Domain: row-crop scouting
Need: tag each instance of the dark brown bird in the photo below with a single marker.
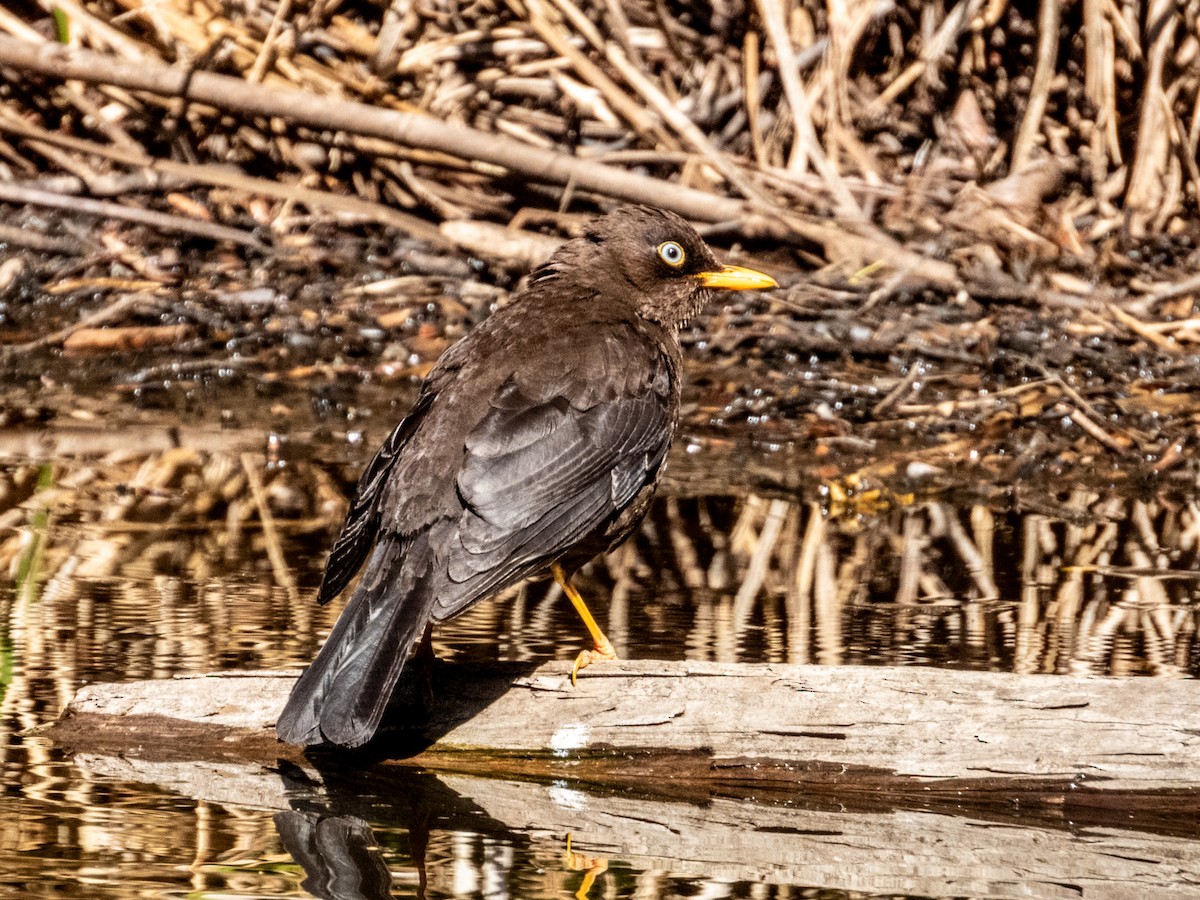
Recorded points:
(536, 442)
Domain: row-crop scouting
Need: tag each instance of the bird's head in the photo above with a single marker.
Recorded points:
(654, 258)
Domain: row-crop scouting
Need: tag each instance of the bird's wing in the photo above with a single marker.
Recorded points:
(362, 519)
(540, 475)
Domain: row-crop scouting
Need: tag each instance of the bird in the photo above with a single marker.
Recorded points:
(536, 443)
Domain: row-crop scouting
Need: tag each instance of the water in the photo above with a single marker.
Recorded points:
(144, 565)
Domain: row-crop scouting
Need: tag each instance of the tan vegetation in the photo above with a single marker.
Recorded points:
(963, 133)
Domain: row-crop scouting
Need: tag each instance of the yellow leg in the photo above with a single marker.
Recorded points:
(603, 648)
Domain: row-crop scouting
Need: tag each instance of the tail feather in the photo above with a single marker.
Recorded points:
(342, 696)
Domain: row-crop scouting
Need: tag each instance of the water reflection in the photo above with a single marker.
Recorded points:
(340, 856)
(148, 565)
(386, 831)
(173, 563)
(68, 832)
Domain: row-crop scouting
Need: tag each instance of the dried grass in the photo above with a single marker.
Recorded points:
(791, 112)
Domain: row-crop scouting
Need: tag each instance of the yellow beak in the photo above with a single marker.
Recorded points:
(737, 278)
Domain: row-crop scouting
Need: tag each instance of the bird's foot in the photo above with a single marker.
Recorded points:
(603, 650)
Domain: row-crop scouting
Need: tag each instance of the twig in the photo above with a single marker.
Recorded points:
(916, 369)
(119, 184)
(13, 193)
(682, 124)
(1144, 196)
(949, 407)
(78, 15)
(1083, 410)
(1100, 87)
(956, 20)
(1178, 289)
(335, 113)
(111, 312)
(1087, 425)
(223, 176)
(24, 237)
(1049, 15)
(268, 43)
(624, 105)
(753, 100)
(1141, 330)
(806, 145)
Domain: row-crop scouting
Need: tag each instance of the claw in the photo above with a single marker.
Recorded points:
(603, 650)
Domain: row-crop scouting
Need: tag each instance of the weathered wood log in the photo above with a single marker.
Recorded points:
(869, 779)
(749, 725)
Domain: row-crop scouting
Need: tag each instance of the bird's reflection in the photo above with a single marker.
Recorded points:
(339, 855)
(329, 830)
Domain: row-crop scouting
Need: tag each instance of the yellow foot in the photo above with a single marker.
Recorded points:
(603, 650)
(591, 866)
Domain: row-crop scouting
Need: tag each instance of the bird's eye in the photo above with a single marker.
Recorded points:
(672, 254)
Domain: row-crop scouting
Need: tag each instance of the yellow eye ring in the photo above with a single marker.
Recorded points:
(672, 254)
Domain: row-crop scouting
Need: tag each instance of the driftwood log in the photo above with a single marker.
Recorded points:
(908, 780)
(756, 724)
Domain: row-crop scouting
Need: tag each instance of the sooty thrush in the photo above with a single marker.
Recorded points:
(536, 443)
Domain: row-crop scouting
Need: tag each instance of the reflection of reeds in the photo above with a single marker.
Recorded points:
(180, 512)
(145, 534)
(128, 836)
(1109, 587)
(161, 563)
(184, 561)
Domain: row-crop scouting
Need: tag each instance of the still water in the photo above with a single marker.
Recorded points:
(143, 564)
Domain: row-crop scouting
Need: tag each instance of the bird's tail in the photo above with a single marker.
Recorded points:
(342, 696)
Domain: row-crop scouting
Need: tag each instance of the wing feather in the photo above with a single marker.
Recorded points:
(362, 519)
(541, 476)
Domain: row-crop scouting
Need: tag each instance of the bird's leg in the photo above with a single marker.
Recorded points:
(603, 647)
